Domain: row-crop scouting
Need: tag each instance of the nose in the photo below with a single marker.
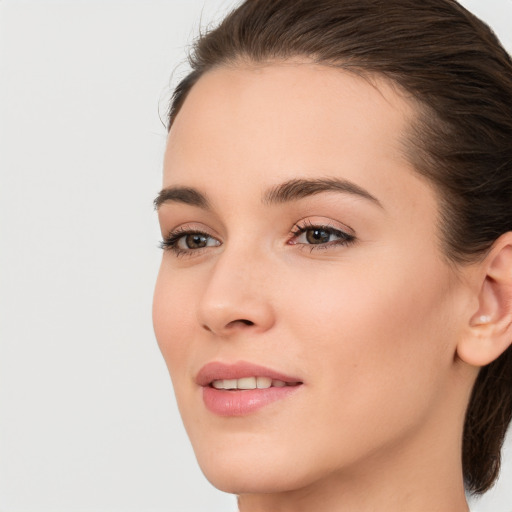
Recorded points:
(237, 296)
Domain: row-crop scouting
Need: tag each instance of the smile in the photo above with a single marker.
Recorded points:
(243, 388)
(251, 383)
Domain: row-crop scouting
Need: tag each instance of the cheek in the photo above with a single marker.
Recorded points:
(172, 306)
(374, 342)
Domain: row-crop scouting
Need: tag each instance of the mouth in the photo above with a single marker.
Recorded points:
(246, 383)
(243, 388)
(243, 375)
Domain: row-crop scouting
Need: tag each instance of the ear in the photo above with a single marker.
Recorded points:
(489, 330)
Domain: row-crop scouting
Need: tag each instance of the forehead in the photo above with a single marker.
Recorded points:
(269, 122)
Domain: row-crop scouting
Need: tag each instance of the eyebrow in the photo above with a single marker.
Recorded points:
(295, 189)
(184, 195)
(288, 191)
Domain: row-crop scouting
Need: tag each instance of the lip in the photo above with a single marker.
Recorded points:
(242, 402)
(218, 371)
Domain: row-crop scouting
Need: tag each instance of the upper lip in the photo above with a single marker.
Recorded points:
(221, 371)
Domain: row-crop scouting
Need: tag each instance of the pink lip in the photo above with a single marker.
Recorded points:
(241, 402)
(218, 371)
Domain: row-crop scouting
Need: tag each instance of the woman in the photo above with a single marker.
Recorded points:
(334, 302)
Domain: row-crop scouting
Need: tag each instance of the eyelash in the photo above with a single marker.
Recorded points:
(344, 238)
(170, 243)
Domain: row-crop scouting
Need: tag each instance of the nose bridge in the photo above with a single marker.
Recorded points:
(237, 295)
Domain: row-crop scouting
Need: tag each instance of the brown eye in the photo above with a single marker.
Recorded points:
(187, 242)
(193, 241)
(321, 237)
(318, 236)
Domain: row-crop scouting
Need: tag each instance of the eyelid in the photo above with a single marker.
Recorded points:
(192, 227)
(346, 235)
(322, 222)
(170, 241)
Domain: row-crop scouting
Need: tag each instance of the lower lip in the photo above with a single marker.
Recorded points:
(243, 402)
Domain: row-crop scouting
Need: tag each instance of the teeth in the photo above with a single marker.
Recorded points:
(230, 384)
(263, 382)
(248, 383)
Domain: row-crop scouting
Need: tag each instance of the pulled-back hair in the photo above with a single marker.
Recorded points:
(460, 79)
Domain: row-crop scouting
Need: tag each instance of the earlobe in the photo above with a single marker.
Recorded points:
(489, 330)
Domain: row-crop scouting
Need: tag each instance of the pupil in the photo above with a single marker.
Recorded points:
(317, 236)
(195, 241)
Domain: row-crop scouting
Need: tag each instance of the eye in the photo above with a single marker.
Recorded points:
(320, 236)
(184, 241)
(193, 241)
(316, 236)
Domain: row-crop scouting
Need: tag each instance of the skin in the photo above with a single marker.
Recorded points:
(370, 327)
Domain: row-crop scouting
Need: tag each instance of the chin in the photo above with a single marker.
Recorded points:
(253, 479)
(254, 468)
(244, 463)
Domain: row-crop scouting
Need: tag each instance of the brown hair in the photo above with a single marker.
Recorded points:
(461, 80)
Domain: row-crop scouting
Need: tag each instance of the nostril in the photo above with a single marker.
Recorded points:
(242, 321)
(230, 324)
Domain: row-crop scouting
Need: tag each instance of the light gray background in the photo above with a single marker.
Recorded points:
(87, 417)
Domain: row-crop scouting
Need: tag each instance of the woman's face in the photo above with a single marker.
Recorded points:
(301, 248)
